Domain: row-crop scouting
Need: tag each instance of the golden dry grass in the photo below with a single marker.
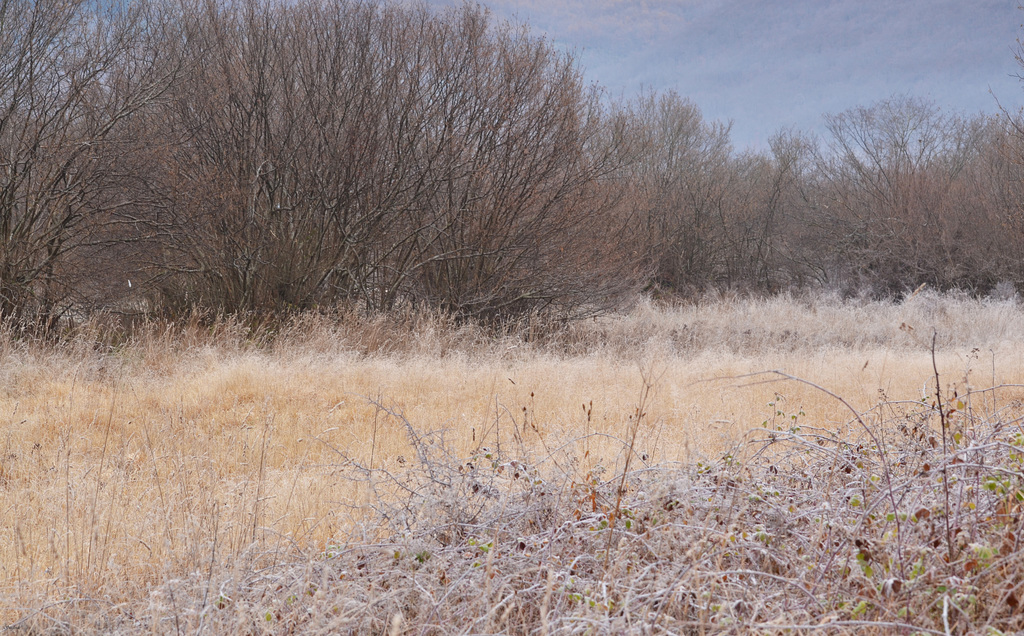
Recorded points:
(203, 458)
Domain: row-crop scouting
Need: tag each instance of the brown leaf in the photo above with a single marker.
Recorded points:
(1012, 601)
(891, 586)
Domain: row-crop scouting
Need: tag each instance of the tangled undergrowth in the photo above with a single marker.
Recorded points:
(907, 520)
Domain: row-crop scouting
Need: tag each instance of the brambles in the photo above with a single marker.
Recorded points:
(788, 529)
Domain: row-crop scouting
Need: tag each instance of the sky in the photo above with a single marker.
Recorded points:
(766, 65)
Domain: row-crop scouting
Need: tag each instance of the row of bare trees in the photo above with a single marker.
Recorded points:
(259, 155)
(897, 194)
(251, 155)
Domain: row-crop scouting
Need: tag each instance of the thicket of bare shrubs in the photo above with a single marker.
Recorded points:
(254, 155)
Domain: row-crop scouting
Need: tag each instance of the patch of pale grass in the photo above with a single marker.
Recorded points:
(202, 459)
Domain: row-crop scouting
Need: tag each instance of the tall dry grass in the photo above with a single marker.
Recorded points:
(410, 474)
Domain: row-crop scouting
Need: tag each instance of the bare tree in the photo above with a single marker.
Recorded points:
(71, 78)
(516, 224)
(891, 172)
(342, 151)
(684, 178)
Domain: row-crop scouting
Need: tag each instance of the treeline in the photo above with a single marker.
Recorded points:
(270, 156)
(897, 194)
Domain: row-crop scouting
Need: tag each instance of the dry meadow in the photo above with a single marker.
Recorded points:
(729, 466)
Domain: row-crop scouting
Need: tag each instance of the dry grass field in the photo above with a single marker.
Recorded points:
(639, 473)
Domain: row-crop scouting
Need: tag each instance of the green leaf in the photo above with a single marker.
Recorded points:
(860, 610)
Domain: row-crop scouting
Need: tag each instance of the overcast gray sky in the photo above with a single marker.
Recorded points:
(769, 64)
